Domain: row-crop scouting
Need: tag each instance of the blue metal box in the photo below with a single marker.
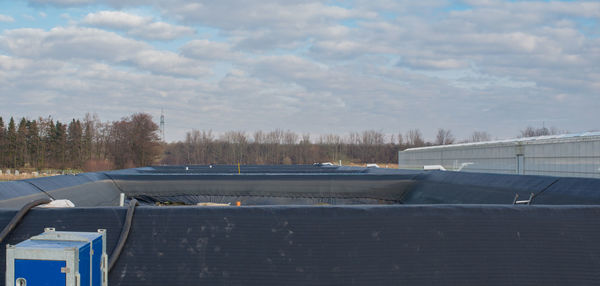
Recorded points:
(58, 258)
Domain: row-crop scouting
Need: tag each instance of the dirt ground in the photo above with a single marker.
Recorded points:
(27, 175)
(22, 176)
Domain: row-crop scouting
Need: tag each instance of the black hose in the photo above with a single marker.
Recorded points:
(19, 216)
(124, 234)
(38, 187)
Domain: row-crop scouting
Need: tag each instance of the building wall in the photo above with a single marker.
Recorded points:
(573, 159)
(577, 156)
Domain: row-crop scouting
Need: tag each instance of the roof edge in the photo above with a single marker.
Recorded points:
(538, 139)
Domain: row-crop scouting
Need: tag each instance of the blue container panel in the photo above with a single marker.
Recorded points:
(96, 262)
(84, 265)
(41, 272)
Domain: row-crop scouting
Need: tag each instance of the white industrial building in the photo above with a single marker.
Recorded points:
(569, 155)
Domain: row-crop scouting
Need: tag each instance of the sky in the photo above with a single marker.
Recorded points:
(314, 67)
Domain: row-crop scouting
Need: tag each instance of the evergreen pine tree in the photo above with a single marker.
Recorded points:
(60, 141)
(74, 143)
(33, 143)
(11, 137)
(2, 143)
(21, 142)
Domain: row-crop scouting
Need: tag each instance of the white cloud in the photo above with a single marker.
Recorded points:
(138, 26)
(209, 50)
(170, 63)
(264, 25)
(115, 20)
(311, 66)
(442, 64)
(6, 18)
(68, 43)
(291, 14)
(64, 2)
(89, 44)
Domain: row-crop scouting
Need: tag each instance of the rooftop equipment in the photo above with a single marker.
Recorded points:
(58, 258)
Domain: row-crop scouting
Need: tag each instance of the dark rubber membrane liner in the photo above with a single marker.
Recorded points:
(333, 245)
(323, 225)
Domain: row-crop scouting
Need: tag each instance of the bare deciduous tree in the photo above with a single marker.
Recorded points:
(414, 138)
(543, 131)
(134, 141)
(400, 139)
(480, 136)
(444, 137)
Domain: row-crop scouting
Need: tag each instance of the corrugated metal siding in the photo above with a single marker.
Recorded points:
(568, 157)
(571, 159)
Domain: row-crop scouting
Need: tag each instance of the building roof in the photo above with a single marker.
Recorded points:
(527, 140)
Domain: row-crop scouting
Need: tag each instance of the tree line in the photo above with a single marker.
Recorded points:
(279, 147)
(287, 147)
(89, 144)
(86, 144)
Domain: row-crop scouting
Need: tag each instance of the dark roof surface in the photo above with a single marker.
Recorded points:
(298, 184)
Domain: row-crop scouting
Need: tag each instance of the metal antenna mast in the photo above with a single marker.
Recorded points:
(162, 124)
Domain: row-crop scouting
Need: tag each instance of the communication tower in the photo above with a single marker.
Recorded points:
(162, 125)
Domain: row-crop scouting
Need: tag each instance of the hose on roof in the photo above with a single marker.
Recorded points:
(123, 236)
(19, 216)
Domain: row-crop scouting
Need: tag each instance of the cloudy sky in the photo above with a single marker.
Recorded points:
(309, 66)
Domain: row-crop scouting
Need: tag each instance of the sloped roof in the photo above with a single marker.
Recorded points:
(526, 140)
